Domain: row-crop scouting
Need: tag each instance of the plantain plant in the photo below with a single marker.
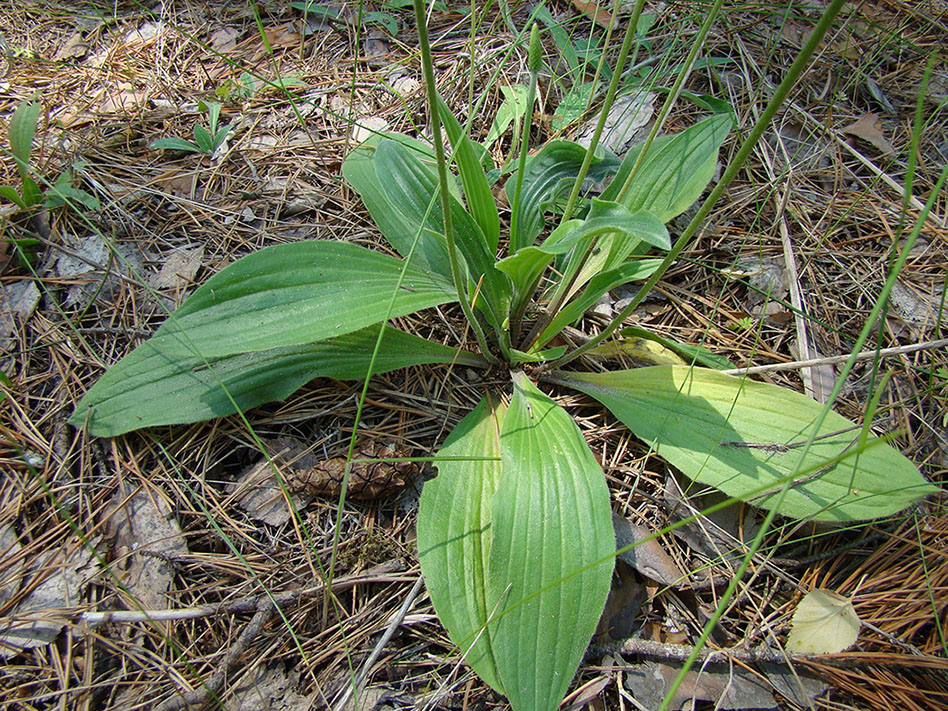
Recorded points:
(514, 534)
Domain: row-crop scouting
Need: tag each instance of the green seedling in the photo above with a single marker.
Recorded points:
(21, 131)
(206, 140)
(515, 535)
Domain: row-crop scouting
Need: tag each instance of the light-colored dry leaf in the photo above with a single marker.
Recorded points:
(18, 301)
(146, 539)
(39, 617)
(767, 277)
(147, 32)
(122, 98)
(89, 263)
(406, 85)
(919, 311)
(823, 623)
(224, 39)
(75, 47)
(625, 125)
(869, 129)
(12, 564)
(179, 269)
(366, 127)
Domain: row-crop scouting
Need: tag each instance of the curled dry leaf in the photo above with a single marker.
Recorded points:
(824, 623)
(868, 129)
(648, 557)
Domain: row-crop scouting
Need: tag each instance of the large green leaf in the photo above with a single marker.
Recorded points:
(548, 175)
(454, 533)
(152, 386)
(291, 294)
(746, 438)
(675, 171)
(550, 559)
(359, 169)
(634, 342)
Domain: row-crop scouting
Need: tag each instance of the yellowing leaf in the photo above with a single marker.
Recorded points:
(824, 623)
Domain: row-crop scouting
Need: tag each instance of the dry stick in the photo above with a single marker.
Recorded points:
(382, 573)
(812, 386)
(829, 360)
(393, 624)
(663, 650)
(200, 695)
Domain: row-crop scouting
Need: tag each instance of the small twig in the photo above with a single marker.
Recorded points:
(651, 648)
(383, 573)
(864, 355)
(662, 650)
(393, 624)
(200, 695)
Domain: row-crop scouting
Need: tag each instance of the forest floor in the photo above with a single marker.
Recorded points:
(170, 519)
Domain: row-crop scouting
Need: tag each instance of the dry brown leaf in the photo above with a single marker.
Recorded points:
(727, 686)
(592, 10)
(63, 575)
(268, 687)
(122, 98)
(868, 129)
(718, 535)
(146, 539)
(626, 596)
(75, 47)
(223, 40)
(179, 269)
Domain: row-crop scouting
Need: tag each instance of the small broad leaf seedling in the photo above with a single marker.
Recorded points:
(206, 140)
(514, 534)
